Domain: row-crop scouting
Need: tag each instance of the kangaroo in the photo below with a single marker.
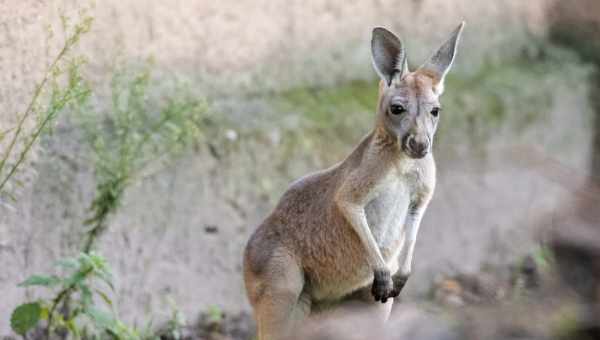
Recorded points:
(347, 234)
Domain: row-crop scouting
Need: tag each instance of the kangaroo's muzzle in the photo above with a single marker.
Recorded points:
(415, 146)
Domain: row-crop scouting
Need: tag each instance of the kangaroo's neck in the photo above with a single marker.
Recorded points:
(383, 141)
(385, 150)
(378, 149)
(384, 146)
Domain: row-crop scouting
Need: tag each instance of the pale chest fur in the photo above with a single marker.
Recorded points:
(391, 203)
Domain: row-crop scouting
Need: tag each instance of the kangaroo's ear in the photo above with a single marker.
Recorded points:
(389, 58)
(440, 62)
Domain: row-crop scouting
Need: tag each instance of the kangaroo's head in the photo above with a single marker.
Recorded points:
(409, 107)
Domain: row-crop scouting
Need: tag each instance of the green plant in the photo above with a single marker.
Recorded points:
(143, 126)
(175, 324)
(85, 282)
(215, 315)
(137, 131)
(125, 141)
(60, 86)
(543, 257)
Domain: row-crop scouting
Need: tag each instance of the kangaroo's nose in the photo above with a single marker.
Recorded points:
(417, 146)
(412, 143)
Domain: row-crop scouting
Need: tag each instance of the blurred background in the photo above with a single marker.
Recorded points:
(149, 138)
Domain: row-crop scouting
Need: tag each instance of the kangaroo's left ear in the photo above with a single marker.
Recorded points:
(440, 62)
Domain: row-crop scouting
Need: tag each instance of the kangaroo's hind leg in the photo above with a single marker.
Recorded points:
(277, 298)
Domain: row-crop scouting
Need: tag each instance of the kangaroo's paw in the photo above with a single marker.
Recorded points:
(399, 282)
(382, 285)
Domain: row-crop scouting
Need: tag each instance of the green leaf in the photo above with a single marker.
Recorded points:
(25, 317)
(100, 318)
(106, 277)
(72, 327)
(41, 280)
(68, 263)
(98, 261)
(44, 313)
(86, 295)
(85, 261)
(215, 314)
(77, 278)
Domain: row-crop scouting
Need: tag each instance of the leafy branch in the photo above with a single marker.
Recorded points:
(73, 91)
(136, 131)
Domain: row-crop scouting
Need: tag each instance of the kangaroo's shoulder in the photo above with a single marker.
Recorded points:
(309, 190)
(319, 182)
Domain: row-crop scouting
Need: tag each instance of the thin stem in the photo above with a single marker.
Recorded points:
(34, 137)
(93, 234)
(58, 299)
(29, 109)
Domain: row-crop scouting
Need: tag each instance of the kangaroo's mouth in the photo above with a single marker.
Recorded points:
(415, 154)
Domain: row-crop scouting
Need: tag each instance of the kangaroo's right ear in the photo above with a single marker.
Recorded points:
(389, 58)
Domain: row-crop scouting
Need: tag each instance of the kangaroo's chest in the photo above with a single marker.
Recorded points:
(387, 211)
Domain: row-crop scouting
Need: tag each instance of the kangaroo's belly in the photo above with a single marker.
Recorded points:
(351, 274)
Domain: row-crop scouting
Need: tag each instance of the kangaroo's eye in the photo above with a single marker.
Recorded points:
(435, 111)
(397, 109)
